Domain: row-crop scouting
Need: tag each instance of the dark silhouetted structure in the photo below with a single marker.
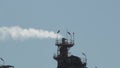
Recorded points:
(5, 66)
(63, 57)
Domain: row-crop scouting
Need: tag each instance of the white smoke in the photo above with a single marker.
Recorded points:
(17, 32)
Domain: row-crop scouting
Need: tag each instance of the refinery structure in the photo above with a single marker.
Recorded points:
(63, 57)
(4, 65)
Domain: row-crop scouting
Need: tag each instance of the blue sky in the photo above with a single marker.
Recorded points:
(96, 24)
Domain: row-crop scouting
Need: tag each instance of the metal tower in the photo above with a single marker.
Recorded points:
(63, 57)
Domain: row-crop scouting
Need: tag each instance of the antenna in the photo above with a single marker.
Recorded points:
(3, 61)
(57, 35)
(66, 34)
(70, 36)
(73, 37)
(85, 57)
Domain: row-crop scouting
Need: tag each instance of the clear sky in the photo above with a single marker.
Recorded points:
(96, 24)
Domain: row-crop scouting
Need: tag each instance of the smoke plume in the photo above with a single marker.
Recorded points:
(17, 32)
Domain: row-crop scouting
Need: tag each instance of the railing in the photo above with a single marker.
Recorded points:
(68, 42)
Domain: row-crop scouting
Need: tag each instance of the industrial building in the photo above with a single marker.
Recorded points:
(63, 58)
